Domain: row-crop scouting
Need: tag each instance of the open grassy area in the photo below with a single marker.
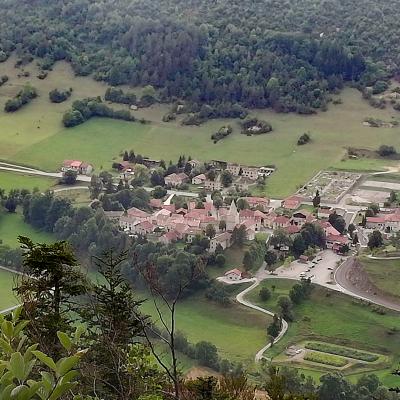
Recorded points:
(326, 359)
(385, 274)
(34, 135)
(7, 298)
(12, 225)
(11, 180)
(78, 197)
(238, 332)
(335, 318)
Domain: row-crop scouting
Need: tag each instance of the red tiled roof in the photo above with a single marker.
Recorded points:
(234, 271)
(281, 219)
(135, 212)
(156, 203)
(292, 229)
(337, 238)
(376, 220)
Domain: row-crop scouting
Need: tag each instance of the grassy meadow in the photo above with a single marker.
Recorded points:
(12, 225)
(237, 331)
(7, 298)
(335, 318)
(34, 135)
(385, 274)
(11, 180)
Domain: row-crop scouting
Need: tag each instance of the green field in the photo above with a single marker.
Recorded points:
(7, 298)
(238, 332)
(78, 197)
(12, 225)
(385, 274)
(326, 359)
(11, 180)
(35, 135)
(335, 318)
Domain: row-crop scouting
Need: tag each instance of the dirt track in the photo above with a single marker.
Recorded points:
(352, 277)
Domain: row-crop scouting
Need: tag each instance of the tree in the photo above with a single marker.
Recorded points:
(355, 239)
(386, 151)
(264, 294)
(159, 192)
(141, 175)
(242, 204)
(351, 228)
(69, 177)
(299, 245)
(207, 354)
(280, 238)
(11, 204)
(316, 200)
(304, 139)
(50, 282)
(375, 240)
(239, 235)
(226, 178)
(95, 187)
(286, 306)
(157, 178)
(337, 221)
(220, 260)
(270, 258)
(210, 231)
(222, 225)
(111, 313)
(275, 327)
(392, 197)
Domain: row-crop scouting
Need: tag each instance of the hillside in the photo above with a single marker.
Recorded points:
(289, 55)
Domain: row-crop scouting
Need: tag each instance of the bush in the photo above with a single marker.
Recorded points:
(264, 294)
(58, 96)
(341, 351)
(23, 97)
(82, 110)
(118, 96)
(303, 139)
(385, 150)
(253, 126)
(221, 133)
(327, 359)
(3, 80)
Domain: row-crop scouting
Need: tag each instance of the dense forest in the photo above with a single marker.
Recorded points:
(289, 55)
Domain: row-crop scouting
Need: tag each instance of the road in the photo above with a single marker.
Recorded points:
(80, 178)
(342, 280)
(240, 299)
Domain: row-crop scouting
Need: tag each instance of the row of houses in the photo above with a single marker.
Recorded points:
(170, 224)
(250, 172)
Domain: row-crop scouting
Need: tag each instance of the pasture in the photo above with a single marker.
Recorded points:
(7, 298)
(238, 332)
(12, 225)
(34, 135)
(335, 318)
(12, 180)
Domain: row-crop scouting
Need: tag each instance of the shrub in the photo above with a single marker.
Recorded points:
(23, 97)
(341, 351)
(303, 139)
(58, 96)
(327, 359)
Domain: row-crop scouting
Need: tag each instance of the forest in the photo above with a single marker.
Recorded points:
(288, 55)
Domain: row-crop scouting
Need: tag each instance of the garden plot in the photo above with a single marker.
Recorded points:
(332, 185)
(330, 356)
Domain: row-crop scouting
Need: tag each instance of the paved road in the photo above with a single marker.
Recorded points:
(80, 178)
(247, 303)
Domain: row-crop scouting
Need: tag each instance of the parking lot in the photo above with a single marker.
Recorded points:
(319, 270)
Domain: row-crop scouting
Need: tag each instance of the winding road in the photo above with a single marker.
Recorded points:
(240, 299)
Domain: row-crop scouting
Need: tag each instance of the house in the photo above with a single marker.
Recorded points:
(213, 185)
(233, 275)
(223, 239)
(175, 180)
(143, 228)
(218, 164)
(324, 212)
(260, 203)
(168, 237)
(149, 163)
(114, 215)
(292, 229)
(156, 203)
(127, 223)
(233, 168)
(301, 217)
(378, 223)
(292, 203)
(250, 172)
(194, 163)
(138, 214)
(280, 221)
(199, 179)
(265, 171)
(303, 259)
(79, 167)
(334, 242)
